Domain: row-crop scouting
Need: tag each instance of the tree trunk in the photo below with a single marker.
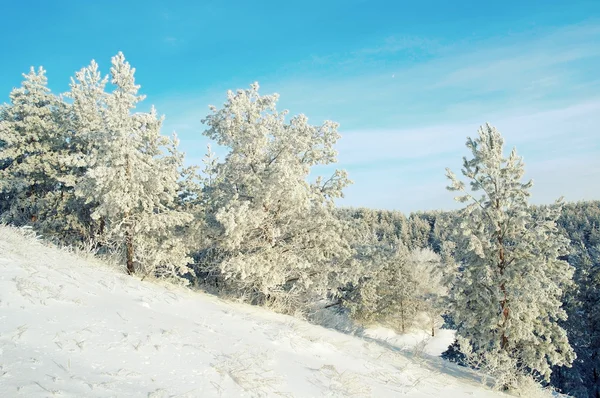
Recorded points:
(129, 252)
(128, 232)
(504, 302)
(402, 316)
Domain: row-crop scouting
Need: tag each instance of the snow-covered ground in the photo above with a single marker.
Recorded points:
(71, 327)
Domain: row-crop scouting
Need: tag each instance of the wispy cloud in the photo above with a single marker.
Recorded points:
(404, 168)
(573, 124)
(460, 81)
(170, 40)
(395, 44)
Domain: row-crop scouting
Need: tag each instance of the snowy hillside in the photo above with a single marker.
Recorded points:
(76, 328)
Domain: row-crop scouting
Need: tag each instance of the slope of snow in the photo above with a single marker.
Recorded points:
(75, 327)
(417, 341)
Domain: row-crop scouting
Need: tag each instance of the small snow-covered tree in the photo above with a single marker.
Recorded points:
(507, 299)
(273, 234)
(401, 286)
(431, 291)
(32, 141)
(131, 173)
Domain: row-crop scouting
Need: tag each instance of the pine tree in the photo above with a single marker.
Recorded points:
(32, 142)
(86, 126)
(276, 234)
(430, 274)
(130, 179)
(398, 287)
(507, 299)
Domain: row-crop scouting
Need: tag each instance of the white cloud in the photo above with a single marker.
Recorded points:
(542, 129)
(405, 169)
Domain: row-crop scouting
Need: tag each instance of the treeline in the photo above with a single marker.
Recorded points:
(86, 168)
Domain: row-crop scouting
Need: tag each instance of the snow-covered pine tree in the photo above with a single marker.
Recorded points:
(398, 288)
(277, 237)
(32, 141)
(130, 179)
(507, 299)
(431, 290)
(84, 125)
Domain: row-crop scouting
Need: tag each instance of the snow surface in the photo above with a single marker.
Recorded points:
(74, 327)
(417, 341)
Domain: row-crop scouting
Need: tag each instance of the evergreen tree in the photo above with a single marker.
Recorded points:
(507, 300)
(275, 233)
(398, 287)
(130, 179)
(32, 141)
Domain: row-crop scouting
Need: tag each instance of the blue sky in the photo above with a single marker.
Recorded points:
(407, 81)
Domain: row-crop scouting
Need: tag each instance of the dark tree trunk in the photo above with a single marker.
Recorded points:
(129, 250)
(402, 316)
(129, 233)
